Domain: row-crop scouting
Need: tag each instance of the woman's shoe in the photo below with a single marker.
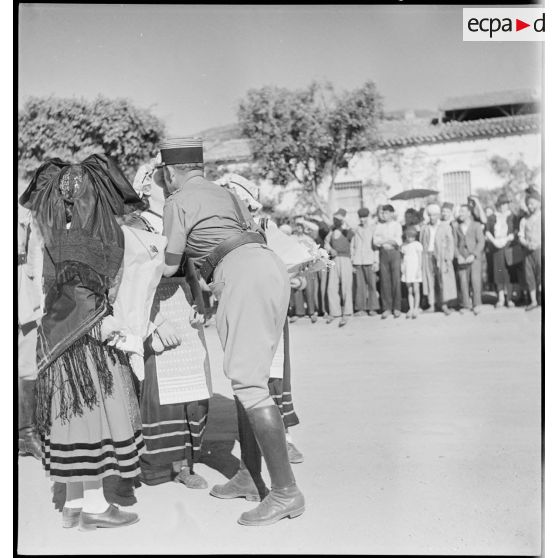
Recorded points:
(190, 480)
(70, 517)
(295, 456)
(111, 518)
(510, 304)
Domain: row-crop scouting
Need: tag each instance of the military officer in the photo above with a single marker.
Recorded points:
(210, 225)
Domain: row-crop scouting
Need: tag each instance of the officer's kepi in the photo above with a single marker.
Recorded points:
(178, 151)
(181, 151)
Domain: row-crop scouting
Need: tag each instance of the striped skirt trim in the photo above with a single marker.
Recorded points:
(283, 400)
(75, 462)
(173, 440)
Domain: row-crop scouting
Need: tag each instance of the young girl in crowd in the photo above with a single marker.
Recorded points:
(411, 269)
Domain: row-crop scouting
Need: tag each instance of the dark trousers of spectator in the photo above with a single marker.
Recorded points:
(307, 295)
(321, 292)
(366, 296)
(470, 279)
(390, 279)
(533, 269)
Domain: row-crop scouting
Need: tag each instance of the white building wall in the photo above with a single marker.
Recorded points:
(424, 166)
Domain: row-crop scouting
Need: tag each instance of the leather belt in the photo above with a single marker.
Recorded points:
(210, 262)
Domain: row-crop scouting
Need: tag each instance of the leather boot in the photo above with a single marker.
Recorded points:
(247, 482)
(285, 499)
(29, 442)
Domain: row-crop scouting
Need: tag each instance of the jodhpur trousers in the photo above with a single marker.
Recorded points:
(252, 286)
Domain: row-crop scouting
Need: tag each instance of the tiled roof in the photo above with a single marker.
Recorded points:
(400, 133)
(420, 133)
(493, 99)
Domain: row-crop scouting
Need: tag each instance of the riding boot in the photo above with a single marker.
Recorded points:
(285, 499)
(247, 482)
(29, 442)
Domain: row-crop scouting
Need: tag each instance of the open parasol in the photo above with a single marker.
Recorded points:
(414, 193)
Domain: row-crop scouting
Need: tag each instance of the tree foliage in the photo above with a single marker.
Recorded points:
(72, 129)
(516, 177)
(308, 134)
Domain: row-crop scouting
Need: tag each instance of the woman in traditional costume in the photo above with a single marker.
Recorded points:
(86, 408)
(175, 393)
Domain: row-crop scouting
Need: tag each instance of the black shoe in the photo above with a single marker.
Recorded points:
(285, 499)
(280, 503)
(111, 518)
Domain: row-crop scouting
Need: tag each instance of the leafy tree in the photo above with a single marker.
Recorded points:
(72, 129)
(516, 177)
(308, 134)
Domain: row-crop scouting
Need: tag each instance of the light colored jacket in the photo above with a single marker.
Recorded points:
(30, 304)
(362, 252)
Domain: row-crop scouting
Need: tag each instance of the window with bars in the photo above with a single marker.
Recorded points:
(457, 186)
(349, 195)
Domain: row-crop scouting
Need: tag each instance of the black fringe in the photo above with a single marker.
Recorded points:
(70, 377)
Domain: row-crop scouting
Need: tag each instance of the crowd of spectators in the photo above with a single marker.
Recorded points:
(441, 258)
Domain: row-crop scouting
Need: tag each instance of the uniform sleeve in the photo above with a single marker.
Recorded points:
(175, 229)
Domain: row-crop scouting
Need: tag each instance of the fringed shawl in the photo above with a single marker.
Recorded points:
(81, 264)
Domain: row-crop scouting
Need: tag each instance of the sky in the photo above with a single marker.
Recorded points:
(192, 64)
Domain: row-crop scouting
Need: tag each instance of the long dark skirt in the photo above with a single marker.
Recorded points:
(280, 389)
(172, 432)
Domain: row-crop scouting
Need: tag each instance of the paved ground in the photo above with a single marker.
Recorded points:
(420, 436)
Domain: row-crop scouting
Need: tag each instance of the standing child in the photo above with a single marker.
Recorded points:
(411, 270)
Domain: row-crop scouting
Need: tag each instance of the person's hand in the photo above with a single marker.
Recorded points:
(168, 335)
(375, 267)
(196, 319)
(460, 259)
(510, 237)
(333, 253)
(470, 258)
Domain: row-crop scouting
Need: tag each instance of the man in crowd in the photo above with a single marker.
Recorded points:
(438, 276)
(338, 244)
(469, 247)
(365, 265)
(447, 214)
(214, 228)
(387, 238)
(530, 236)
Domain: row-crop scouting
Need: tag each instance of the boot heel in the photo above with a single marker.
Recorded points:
(296, 513)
